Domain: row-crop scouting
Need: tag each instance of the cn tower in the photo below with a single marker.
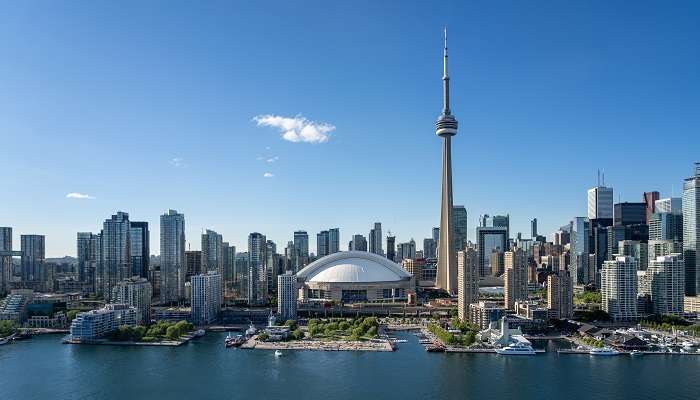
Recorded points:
(446, 127)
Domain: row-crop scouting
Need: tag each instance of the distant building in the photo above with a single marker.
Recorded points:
(414, 267)
(580, 250)
(212, 252)
(375, 239)
(206, 298)
(5, 259)
(257, 247)
(460, 217)
(172, 257)
(533, 228)
(322, 244)
(497, 262)
(333, 240)
(140, 243)
(193, 263)
(33, 255)
(467, 281)
(100, 323)
(515, 277)
(619, 288)
(301, 245)
(116, 251)
(691, 232)
(358, 243)
(429, 248)
(406, 250)
(627, 213)
(489, 239)
(88, 252)
(600, 203)
(391, 247)
(135, 292)
(636, 249)
(673, 205)
(650, 199)
(287, 296)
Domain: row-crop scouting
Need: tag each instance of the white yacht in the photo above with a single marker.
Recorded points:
(278, 353)
(603, 351)
(517, 348)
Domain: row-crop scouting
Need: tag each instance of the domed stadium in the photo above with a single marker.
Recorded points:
(354, 276)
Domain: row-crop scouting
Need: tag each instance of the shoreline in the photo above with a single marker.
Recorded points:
(317, 345)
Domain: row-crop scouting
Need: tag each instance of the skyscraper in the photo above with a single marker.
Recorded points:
(257, 246)
(33, 254)
(533, 228)
(673, 205)
(88, 257)
(212, 252)
(358, 243)
(333, 240)
(665, 277)
(446, 127)
(406, 251)
(5, 259)
(489, 239)
(172, 257)
(429, 248)
(322, 244)
(560, 294)
(600, 203)
(140, 248)
(229, 265)
(459, 214)
(691, 232)
(193, 263)
(650, 199)
(468, 281)
(375, 239)
(580, 249)
(116, 251)
(301, 244)
(627, 213)
(391, 247)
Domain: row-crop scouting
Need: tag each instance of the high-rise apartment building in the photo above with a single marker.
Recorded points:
(429, 248)
(666, 284)
(212, 252)
(358, 243)
(533, 228)
(257, 247)
(140, 243)
(87, 250)
(619, 288)
(391, 247)
(560, 294)
(193, 263)
(301, 245)
(691, 232)
(467, 281)
(172, 257)
(406, 250)
(488, 239)
(33, 255)
(287, 296)
(206, 297)
(116, 251)
(229, 265)
(6, 254)
(515, 277)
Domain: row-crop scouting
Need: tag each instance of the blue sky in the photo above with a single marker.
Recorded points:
(147, 106)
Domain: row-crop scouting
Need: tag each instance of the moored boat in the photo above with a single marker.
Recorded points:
(603, 351)
(518, 348)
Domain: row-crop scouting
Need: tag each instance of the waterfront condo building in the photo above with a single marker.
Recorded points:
(287, 296)
(135, 292)
(172, 257)
(467, 281)
(619, 288)
(206, 298)
(691, 232)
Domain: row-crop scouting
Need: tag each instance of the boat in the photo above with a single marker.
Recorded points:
(635, 353)
(199, 333)
(517, 348)
(4, 340)
(435, 348)
(687, 344)
(603, 351)
(278, 353)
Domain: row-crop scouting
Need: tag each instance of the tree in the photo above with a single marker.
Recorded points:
(71, 314)
(298, 334)
(292, 324)
(263, 337)
(172, 332)
(7, 328)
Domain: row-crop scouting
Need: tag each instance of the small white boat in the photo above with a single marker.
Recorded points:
(199, 333)
(603, 351)
(278, 353)
(4, 341)
(635, 353)
(518, 348)
(687, 344)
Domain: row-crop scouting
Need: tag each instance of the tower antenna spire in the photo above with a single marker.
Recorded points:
(446, 81)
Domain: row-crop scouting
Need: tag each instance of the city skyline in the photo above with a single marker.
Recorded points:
(63, 99)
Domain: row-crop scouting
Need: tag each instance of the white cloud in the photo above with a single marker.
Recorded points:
(177, 162)
(272, 159)
(268, 175)
(81, 196)
(297, 129)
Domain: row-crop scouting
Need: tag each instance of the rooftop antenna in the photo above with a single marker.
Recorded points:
(598, 176)
(603, 177)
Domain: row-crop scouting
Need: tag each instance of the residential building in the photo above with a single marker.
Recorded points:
(391, 247)
(301, 245)
(135, 292)
(206, 297)
(467, 281)
(560, 294)
(665, 277)
(489, 239)
(459, 214)
(33, 255)
(406, 250)
(139, 240)
(484, 313)
(87, 250)
(429, 248)
(257, 285)
(497, 262)
(322, 244)
(515, 277)
(619, 288)
(375, 239)
(691, 232)
(358, 243)
(287, 296)
(172, 257)
(333, 240)
(212, 252)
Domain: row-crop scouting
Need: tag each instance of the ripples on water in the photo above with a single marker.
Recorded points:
(43, 368)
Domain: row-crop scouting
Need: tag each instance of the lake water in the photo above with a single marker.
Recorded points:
(43, 368)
